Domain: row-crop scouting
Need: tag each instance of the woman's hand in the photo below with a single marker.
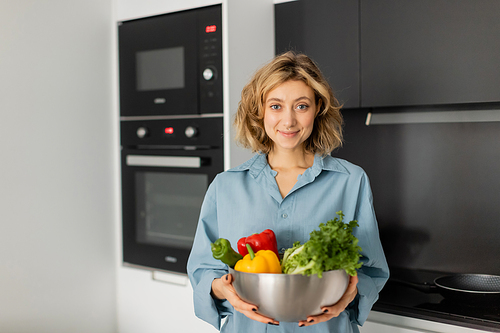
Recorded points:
(223, 289)
(335, 310)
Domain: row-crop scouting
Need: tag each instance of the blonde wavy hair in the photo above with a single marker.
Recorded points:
(249, 121)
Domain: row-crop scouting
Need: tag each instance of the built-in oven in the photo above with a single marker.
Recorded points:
(167, 166)
(171, 126)
(171, 64)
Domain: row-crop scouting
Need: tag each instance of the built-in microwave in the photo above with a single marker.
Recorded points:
(171, 64)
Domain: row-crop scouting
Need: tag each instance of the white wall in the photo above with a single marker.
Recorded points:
(131, 9)
(57, 251)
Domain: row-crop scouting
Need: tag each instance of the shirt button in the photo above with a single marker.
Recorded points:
(284, 216)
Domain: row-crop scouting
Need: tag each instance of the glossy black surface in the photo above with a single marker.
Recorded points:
(400, 299)
(435, 191)
(429, 52)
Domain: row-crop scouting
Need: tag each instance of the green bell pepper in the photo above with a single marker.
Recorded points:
(222, 250)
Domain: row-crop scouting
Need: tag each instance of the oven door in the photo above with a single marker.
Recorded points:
(170, 64)
(162, 196)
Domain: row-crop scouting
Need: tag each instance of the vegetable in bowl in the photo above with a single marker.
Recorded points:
(332, 247)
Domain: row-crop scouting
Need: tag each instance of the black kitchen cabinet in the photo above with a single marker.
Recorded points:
(327, 31)
(379, 53)
(429, 52)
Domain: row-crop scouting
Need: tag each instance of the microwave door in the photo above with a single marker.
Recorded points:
(159, 66)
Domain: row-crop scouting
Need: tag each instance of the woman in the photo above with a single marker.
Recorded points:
(289, 117)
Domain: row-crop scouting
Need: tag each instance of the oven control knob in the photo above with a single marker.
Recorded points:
(142, 132)
(209, 73)
(191, 131)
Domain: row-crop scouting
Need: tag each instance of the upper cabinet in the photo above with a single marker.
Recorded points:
(425, 52)
(327, 31)
(379, 53)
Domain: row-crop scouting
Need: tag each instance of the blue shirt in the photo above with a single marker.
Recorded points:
(246, 200)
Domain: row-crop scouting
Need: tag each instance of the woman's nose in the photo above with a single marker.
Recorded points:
(289, 117)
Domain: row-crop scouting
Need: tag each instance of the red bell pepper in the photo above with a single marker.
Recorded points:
(266, 240)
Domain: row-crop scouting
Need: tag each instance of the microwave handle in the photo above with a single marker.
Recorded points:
(164, 161)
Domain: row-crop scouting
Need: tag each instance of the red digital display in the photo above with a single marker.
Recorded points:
(169, 130)
(210, 28)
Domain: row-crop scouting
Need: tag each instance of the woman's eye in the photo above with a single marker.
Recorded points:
(302, 107)
(275, 107)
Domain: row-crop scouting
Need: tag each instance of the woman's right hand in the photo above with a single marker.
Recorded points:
(223, 289)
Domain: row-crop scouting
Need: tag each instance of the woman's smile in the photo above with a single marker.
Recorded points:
(288, 134)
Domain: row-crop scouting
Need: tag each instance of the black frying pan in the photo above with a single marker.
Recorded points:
(474, 288)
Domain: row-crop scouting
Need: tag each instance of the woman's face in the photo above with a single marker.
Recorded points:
(289, 112)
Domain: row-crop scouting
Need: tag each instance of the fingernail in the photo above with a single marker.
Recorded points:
(271, 323)
(301, 325)
(311, 321)
(325, 310)
(254, 310)
(227, 277)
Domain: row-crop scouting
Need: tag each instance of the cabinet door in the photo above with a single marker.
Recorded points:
(429, 52)
(327, 31)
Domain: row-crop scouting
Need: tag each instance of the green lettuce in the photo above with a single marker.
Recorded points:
(331, 247)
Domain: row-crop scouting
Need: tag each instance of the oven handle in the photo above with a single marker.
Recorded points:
(164, 161)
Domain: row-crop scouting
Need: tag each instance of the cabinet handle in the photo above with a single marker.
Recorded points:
(434, 117)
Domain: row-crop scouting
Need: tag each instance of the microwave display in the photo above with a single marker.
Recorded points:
(160, 69)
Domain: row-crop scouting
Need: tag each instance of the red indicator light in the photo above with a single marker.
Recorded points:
(210, 28)
(169, 130)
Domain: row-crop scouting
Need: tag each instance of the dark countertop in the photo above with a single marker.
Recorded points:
(403, 300)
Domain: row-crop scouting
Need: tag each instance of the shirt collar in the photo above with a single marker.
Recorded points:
(330, 163)
(258, 162)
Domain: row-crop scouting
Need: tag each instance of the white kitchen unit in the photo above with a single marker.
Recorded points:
(379, 322)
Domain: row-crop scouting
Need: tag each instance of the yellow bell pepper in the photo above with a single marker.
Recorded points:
(264, 261)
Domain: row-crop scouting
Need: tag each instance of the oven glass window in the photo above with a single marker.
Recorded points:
(160, 69)
(168, 207)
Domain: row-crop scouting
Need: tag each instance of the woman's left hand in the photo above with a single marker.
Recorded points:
(335, 310)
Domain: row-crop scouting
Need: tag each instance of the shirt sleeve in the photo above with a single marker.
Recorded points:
(375, 272)
(202, 268)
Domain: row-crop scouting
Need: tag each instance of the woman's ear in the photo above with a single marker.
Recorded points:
(319, 103)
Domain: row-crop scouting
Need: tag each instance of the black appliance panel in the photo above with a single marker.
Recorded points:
(188, 133)
(166, 171)
(400, 299)
(435, 190)
(171, 64)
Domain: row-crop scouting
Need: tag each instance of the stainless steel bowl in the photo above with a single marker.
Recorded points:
(290, 298)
